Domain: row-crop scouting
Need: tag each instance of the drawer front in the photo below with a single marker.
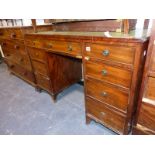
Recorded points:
(24, 61)
(14, 56)
(40, 68)
(11, 33)
(70, 48)
(22, 72)
(14, 45)
(150, 89)
(107, 116)
(115, 53)
(147, 116)
(37, 54)
(108, 73)
(43, 82)
(107, 93)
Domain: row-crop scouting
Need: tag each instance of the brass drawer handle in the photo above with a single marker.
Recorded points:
(13, 35)
(3, 44)
(106, 52)
(16, 47)
(87, 58)
(104, 72)
(70, 48)
(104, 94)
(103, 113)
(50, 46)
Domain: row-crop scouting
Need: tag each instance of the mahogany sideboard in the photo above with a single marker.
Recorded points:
(144, 122)
(112, 70)
(15, 55)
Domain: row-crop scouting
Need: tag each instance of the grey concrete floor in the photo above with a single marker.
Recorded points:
(23, 111)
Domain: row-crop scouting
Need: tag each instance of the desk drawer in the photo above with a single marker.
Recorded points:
(40, 68)
(37, 54)
(106, 115)
(107, 93)
(108, 73)
(43, 82)
(122, 54)
(22, 72)
(70, 48)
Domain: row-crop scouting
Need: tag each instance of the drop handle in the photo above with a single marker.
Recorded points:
(104, 72)
(104, 94)
(50, 46)
(16, 47)
(13, 35)
(87, 58)
(106, 52)
(103, 113)
(3, 44)
(70, 48)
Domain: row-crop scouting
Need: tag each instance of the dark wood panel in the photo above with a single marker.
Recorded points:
(64, 71)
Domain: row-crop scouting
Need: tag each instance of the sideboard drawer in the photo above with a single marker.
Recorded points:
(40, 68)
(107, 93)
(11, 33)
(37, 54)
(122, 54)
(43, 82)
(108, 73)
(106, 115)
(13, 45)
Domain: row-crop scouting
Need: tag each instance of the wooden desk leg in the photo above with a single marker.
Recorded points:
(38, 89)
(88, 120)
(54, 97)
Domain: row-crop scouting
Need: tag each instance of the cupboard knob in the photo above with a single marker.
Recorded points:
(104, 94)
(104, 72)
(36, 54)
(87, 58)
(105, 52)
